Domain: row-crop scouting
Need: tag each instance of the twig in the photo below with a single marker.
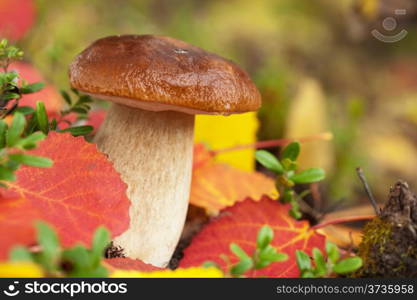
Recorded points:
(274, 143)
(368, 190)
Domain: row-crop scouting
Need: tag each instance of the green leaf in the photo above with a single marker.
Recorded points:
(289, 164)
(269, 161)
(242, 267)
(31, 139)
(54, 124)
(79, 110)
(20, 253)
(79, 130)
(32, 88)
(9, 96)
(303, 260)
(287, 196)
(7, 174)
(270, 254)
(79, 257)
(25, 110)
(307, 274)
(31, 160)
(265, 236)
(308, 176)
(42, 117)
(66, 97)
(291, 151)
(48, 240)
(332, 252)
(320, 263)
(239, 252)
(348, 265)
(12, 165)
(295, 210)
(101, 240)
(3, 130)
(209, 264)
(15, 129)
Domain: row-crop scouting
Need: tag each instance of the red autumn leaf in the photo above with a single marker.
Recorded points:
(79, 193)
(96, 118)
(240, 224)
(218, 185)
(16, 18)
(124, 263)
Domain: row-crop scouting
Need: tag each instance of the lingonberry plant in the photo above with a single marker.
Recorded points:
(77, 261)
(262, 257)
(326, 266)
(13, 147)
(287, 176)
(22, 127)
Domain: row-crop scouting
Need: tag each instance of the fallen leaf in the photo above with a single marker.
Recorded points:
(16, 18)
(219, 132)
(307, 116)
(240, 224)
(20, 270)
(197, 272)
(95, 119)
(124, 263)
(218, 185)
(80, 192)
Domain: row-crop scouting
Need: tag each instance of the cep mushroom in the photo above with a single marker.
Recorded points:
(157, 84)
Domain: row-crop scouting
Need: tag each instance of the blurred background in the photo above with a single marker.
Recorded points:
(348, 67)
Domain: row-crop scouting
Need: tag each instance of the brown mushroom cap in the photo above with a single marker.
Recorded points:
(161, 73)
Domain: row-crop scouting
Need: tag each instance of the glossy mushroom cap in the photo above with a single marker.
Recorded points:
(160, 73)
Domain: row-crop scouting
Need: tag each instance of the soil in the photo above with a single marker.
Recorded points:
(196, 219)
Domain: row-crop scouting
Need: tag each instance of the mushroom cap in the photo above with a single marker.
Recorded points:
(160, 73)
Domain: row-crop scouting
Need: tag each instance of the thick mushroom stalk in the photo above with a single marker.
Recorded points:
(153, 153)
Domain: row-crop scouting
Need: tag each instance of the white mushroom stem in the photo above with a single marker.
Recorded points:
(153, 153)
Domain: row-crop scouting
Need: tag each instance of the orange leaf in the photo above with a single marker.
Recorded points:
(240, 224)
(79, 193)
(16, 18)
(218, 185)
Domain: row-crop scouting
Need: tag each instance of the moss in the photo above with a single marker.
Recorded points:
(389, 245)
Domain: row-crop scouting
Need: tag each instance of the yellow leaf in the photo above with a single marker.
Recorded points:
(220, 132)
(393, 152)
(369, 8)
(196, 272)
(20, 270)
(308, 116)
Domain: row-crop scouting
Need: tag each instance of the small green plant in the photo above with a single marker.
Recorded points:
(81, 107)
(287, 176)
(39, 121)
(29, 125)
(262, 257)
(329, 266)
(12, 87)
(77, 261)
(14, 144)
